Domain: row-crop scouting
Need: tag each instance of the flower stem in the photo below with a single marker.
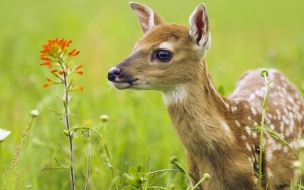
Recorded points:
(1, 166)
(67, 121)
(264, 105)
(28, 136)
(89, 161)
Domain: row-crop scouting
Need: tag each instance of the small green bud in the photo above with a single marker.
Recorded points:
(34, 113)
(297, 164)
(173, 159)
(104, 118)
(66, 132)
(264, 73)
(206, 176)
(301, 145)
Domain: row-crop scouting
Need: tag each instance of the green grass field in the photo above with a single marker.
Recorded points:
(245, 35)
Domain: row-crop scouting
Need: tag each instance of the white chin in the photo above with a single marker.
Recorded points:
(121, 85)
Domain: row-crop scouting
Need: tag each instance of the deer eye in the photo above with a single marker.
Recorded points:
(163, 55)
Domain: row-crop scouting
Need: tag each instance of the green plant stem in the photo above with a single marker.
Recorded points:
(28, 136)
(203, 179)
(164, 170)
(262, 130)
(109, 160)
(105, 147)
(1, 164)
(66, 111)
(89, 161)
(185, 172)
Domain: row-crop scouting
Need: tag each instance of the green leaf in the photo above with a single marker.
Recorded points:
(129, 187)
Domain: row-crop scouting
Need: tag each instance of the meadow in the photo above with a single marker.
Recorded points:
(245, 35)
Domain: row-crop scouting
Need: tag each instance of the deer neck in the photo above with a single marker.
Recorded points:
(195, 110)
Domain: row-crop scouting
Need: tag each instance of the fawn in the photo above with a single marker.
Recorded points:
(215, 130)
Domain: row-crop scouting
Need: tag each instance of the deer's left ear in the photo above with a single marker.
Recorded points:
(146, 16)
(199, 27)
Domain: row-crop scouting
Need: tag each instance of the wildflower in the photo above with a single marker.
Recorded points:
(49, 83)
(3, 134)
(35, 113)
(55, 54)
(104, 118)
(56, 49)
(173, 159)
(87, 122)
(206, 176)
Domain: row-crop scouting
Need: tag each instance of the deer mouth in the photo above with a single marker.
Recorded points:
(121, 85)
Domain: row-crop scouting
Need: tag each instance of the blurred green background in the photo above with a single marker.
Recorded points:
(245, 35)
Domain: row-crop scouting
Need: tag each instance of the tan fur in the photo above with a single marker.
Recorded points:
(215, 130)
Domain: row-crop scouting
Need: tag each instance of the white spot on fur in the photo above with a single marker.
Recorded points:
(285, 149)
(249, 118)
(175, 95)
(254, 112)
(248, 147)
(252, 97)
(233, 108)
(269, 173)
(226, 127)
(237, 123)
(248, 130)
(269, 156)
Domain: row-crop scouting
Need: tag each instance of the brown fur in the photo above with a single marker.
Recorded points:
(215, 130)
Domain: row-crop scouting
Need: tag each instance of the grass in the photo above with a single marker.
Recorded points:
(245, 35)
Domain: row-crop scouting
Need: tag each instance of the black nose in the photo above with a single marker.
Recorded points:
(113, 73)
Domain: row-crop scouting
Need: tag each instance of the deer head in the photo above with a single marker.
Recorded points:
(167, 56)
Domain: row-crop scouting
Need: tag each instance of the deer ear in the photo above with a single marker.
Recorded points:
(146, 16)
(199, 27)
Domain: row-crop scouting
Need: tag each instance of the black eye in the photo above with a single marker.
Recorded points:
(163, 55)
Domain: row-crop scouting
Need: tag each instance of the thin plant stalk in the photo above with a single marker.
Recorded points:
(67, 121)
(89, 161)
(264, 74)
(109, 162)
(55, 54)
(28, 136)
(1, 166)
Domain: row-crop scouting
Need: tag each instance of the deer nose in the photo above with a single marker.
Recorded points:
(113, 73)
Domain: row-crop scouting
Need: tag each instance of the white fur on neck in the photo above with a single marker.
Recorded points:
(176, 95)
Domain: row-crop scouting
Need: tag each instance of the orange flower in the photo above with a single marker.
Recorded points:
(49, 83)
(56, 71)
(54, 49)
(73, 53)
(56, 53)
(81, 88)
(49, 64)
(79, 72)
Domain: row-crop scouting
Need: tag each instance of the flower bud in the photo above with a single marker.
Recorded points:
(206, 176)
(264, 73)
(301, 146)
(104, 118)
(34, 113)
(297, 164)
(173, 159)
(66, 132)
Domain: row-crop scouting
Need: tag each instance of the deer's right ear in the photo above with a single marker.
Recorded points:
(199, 27)
(146, 16)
